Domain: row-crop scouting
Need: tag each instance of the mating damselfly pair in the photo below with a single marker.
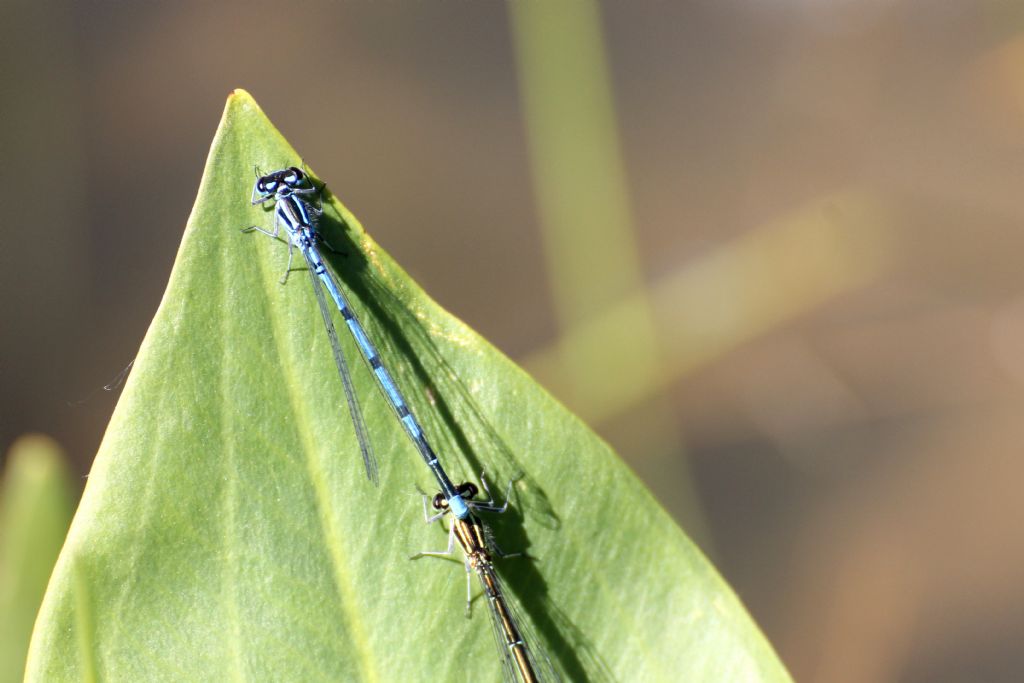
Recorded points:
(295, 199)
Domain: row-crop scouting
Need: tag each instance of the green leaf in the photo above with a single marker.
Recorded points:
(227, 531)
(35, 510)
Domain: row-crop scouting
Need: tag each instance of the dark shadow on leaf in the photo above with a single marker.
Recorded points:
(440, 396)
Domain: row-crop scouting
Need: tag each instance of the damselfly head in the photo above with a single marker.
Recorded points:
(279, 183)
(292, 177)
(267, 185)
(468, 490)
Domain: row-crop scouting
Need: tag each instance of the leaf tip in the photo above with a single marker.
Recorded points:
(240, 94)
(239, 99)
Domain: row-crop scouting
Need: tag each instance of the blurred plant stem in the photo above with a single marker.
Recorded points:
(745, 288)
(592, 258)
(35, 511)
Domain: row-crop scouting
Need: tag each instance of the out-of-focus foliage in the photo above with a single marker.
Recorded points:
(35, 509)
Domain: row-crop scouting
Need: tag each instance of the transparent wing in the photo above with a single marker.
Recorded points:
(457, 425)
(508, 665)
(346, 379)
(538, 661)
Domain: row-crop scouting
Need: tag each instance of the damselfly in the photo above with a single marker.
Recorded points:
(297, 207)
(520, 661)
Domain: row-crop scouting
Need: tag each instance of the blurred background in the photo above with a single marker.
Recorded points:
(771, 250)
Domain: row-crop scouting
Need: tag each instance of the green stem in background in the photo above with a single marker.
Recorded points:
(745, 288)
(593, 262)
(35, 510)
